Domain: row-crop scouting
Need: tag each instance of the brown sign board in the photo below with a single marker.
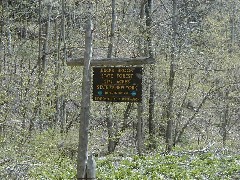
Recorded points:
(117, 84)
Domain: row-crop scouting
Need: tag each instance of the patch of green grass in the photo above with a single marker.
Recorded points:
(204, 166)
(47, 161)
(53, 164)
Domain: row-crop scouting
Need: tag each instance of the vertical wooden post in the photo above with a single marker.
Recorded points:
(91, 167)
(85, 104)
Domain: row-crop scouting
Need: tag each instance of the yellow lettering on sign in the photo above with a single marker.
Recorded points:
(98, 98)
(125, 70)
(123, 81)
(124, 76)
(106, 75)
(107, 81)
(130, 87)
(106, 87)
(107, 70)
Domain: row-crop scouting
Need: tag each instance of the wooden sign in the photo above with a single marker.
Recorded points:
(117, 84)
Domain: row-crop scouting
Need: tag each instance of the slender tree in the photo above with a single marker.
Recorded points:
(62, 98)
(169, 115)
(141, 52)
(149, 52)
(110, 124)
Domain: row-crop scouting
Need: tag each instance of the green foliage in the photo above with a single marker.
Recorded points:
(203, 166)
(52, 163)
(34, 158)
(54, 168)
(48, 160)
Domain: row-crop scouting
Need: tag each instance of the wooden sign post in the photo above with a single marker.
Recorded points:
(85, 104)
(133, 92)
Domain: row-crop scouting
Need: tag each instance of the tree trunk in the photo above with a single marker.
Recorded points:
(225, 121)
(57, 76)
(43, 62)
(37, 108)
(45, 45)
(141, 51)
(62, 101)
(111, 141)
(169, 115)
(140, 129)
(232, 28)
(110, 124)
(9, 34)
(224, 127)
(117, 134)
(63, 114)
(149, 50)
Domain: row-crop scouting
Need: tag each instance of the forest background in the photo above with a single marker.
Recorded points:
(190, 113)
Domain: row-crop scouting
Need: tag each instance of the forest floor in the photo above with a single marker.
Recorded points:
(44, 157)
